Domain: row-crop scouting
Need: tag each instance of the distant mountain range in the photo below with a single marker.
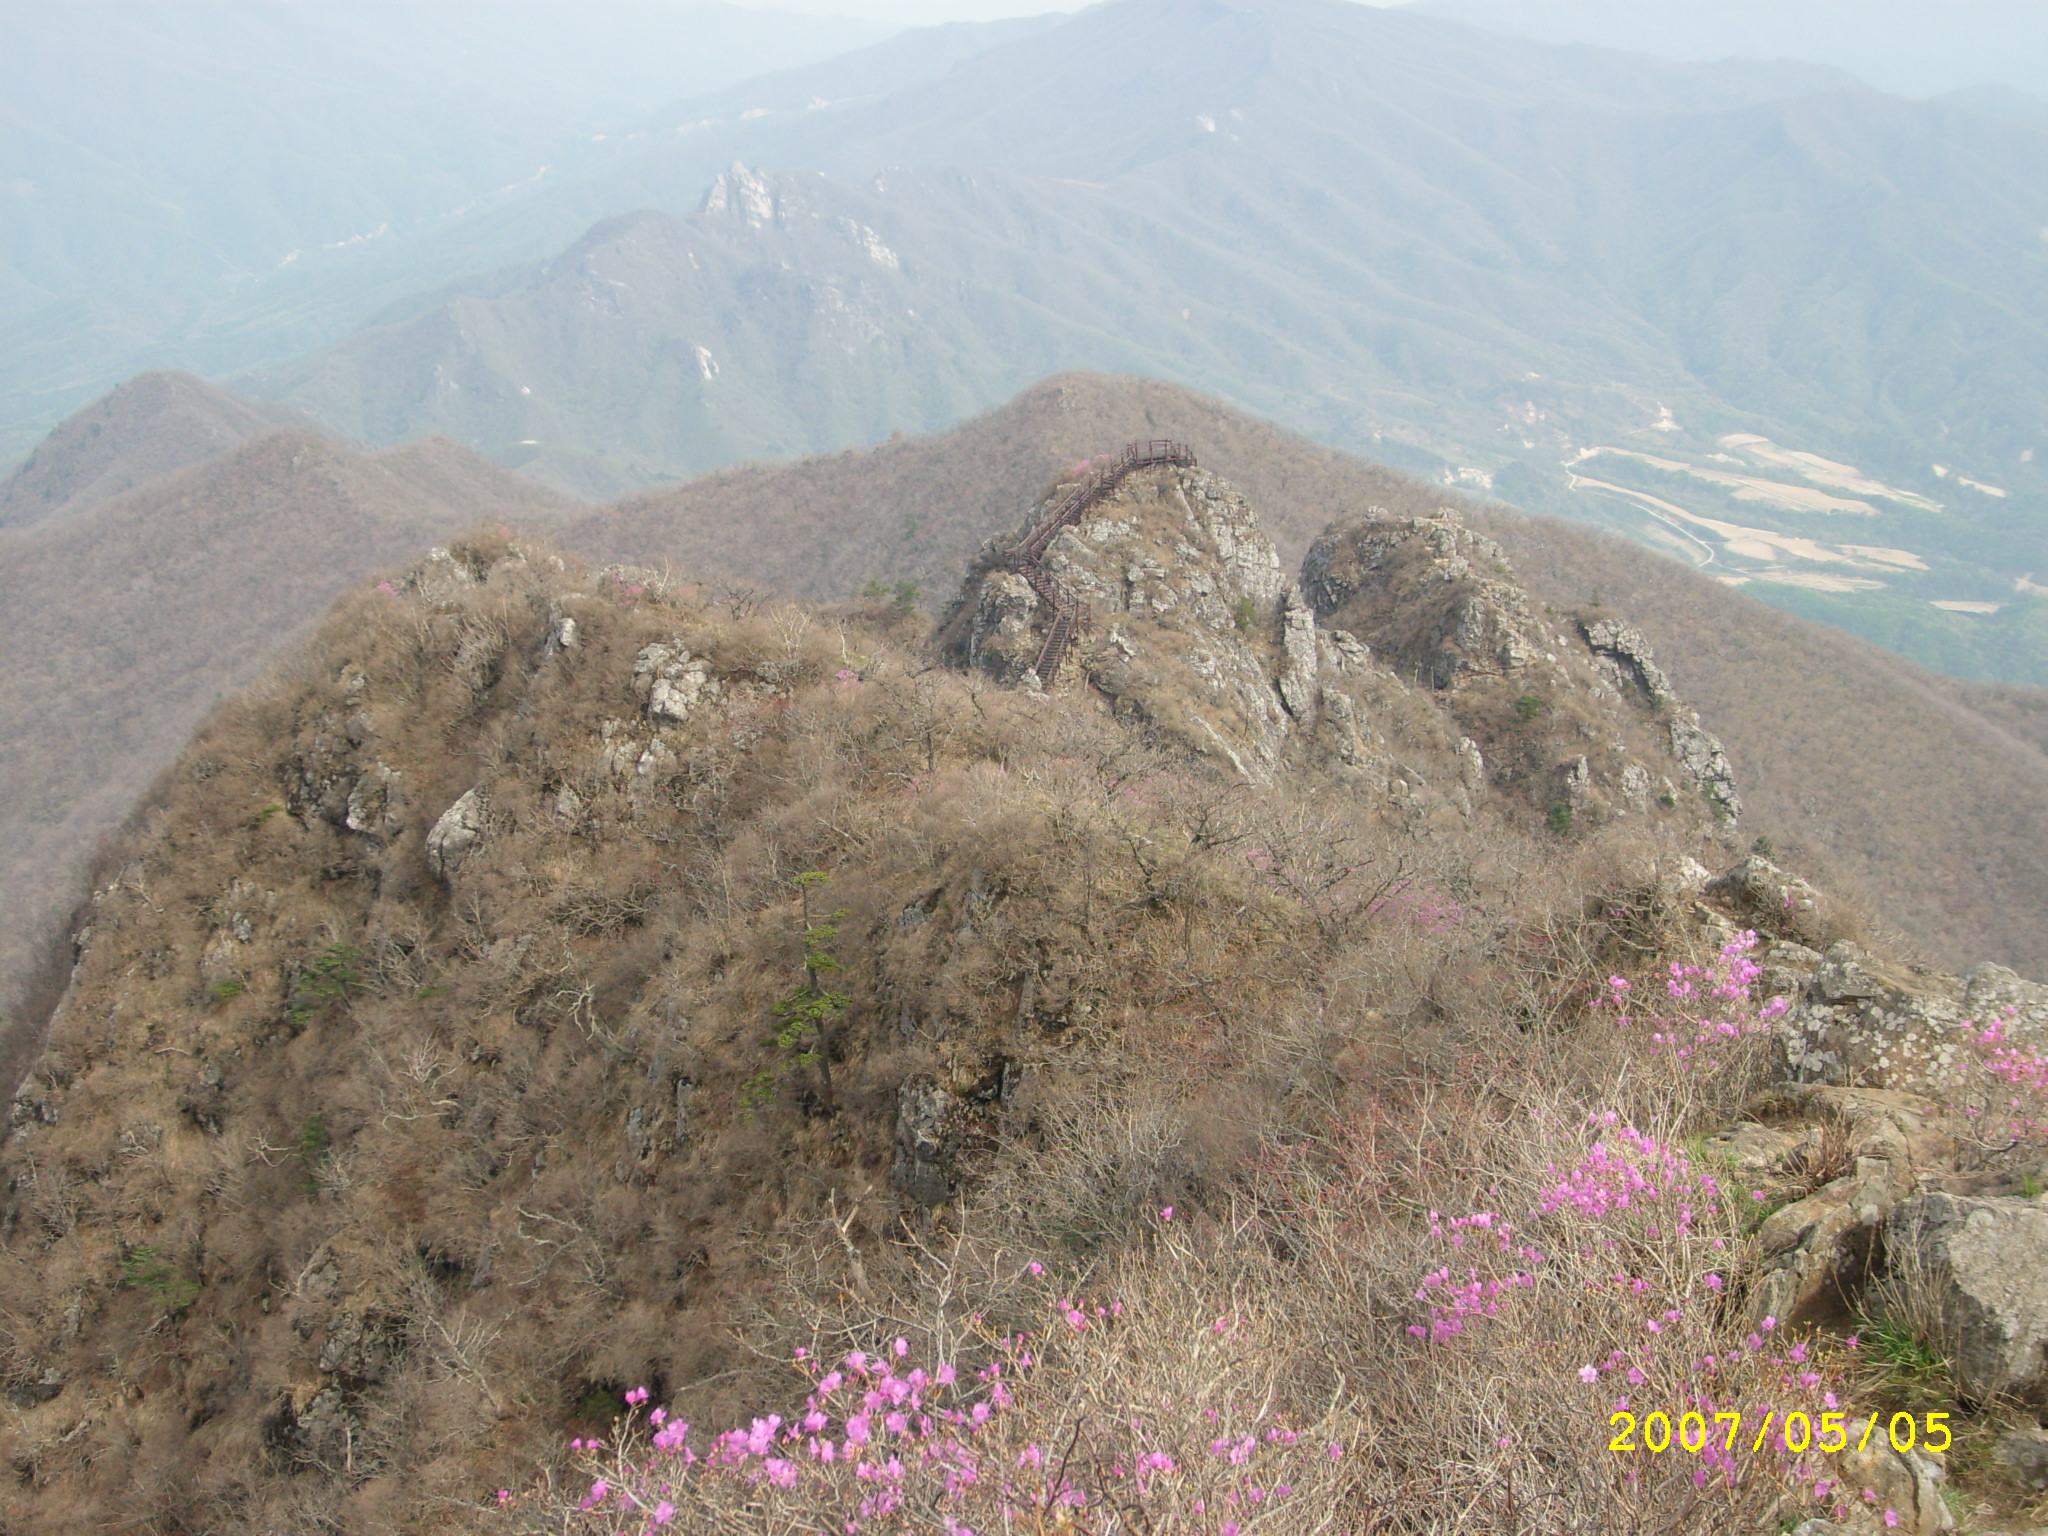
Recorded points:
(1781, 325)
(222, 182)
(1487, 259)
(1913, 47)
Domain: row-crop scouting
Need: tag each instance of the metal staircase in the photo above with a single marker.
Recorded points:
(1069, 617)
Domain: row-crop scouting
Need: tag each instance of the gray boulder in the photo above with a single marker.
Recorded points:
(456, 835)
(1985, 1262)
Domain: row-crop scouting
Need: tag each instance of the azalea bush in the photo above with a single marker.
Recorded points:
(1031, 1430)
(1455, 1310)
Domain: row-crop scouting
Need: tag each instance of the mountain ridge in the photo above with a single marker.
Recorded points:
(196, 581)
(148, 426)
(893, 525)
(915, 510)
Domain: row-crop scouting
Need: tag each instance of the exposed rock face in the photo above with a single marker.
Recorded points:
(1623, 651)
(456, 835)
(672, 680)
(1818, 1250)
(1579, 718)
(1197, 631)
(1906, 1483)
(1000, 640)
(1705, 763)
(2024, 1455)
(1778, 902)
(923, 1109)
(1985, 1258)
(1857, 1022)
(1407, 661)
(1434, 598)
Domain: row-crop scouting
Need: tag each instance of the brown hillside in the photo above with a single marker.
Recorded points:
(149, 426)
(917, 509)
(132, 617)
(1925, 796)
(423, 1082)
(550, 982)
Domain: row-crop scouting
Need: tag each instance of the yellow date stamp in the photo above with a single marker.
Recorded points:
(1695, 1432)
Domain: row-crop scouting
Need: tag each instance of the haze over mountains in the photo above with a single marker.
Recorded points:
(1913, 47)
(1796, 321)
(1482, 257)
(216, 183)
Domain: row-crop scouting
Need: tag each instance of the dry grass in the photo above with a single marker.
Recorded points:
(135, 615)
(445, 1166)
(1244, 1240)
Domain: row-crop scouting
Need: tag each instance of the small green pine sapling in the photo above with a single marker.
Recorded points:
(314, 1144)
(333, 974)
(146, 1269)
(804, 1019)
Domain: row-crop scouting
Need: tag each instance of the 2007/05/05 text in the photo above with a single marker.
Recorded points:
(1691, 1432)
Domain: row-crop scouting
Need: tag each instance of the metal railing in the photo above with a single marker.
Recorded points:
(1069, 617)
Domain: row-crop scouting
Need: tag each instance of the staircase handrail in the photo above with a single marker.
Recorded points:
(1026, 560)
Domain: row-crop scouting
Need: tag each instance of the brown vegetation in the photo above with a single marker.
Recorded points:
(1841, 750)
(149, 426)
(381, 1141)
(130, 618)
(1926, 797)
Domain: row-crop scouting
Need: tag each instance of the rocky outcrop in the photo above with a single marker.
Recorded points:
(1407, 660)
(672, 681)
(1858, 1021)
(1771, 900)
(1000, 640)
(923, 1113)
(1700, 754)
(1197, 632)
(1981, 1263)
(1625, 655)
(1904, 1486)
(1621, 651)
(1435, 598)
(1579, 719)
(455, 836)
(2023, 1453)
(1817, 1252)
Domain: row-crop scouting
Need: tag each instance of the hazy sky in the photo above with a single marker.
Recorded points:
(922, 13)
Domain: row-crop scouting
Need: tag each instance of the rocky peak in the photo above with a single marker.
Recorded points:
(1193, 627)
(1435, 599)
(743, 194)
(1407, 661)
(1576, 713)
